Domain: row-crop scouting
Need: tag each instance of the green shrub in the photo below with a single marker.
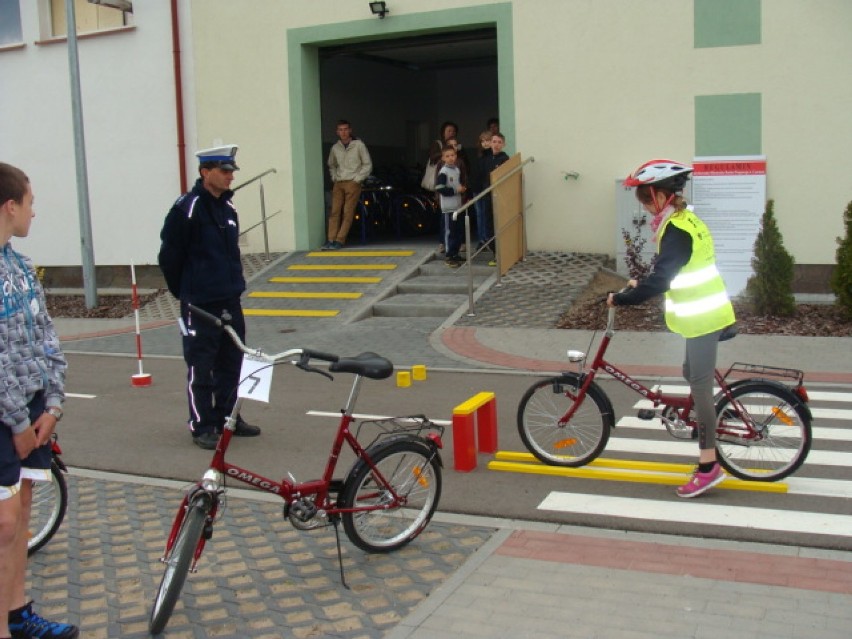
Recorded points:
(841, 279)
(770, 289)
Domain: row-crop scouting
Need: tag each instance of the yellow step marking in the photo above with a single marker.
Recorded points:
(305, 295)
(261, 312)
(342, 267)
(326, 280)
(602, 462)
(626, 470)
(360, 253)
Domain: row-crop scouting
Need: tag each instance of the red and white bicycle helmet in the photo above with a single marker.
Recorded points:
(665, 174)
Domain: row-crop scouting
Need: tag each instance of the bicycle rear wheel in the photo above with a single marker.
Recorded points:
(781, 438)
(412, 469)
(50, 500)
(574, 443)
(178, 562)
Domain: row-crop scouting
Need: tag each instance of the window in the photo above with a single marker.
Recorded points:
(726, 23)
(728, 124)
(90, 17)
(10, 23)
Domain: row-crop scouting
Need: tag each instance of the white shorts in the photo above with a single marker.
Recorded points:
(34, 474)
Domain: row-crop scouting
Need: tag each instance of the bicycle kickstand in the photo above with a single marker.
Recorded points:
(340, 554)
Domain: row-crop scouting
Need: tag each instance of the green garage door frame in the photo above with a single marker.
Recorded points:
(303, 45)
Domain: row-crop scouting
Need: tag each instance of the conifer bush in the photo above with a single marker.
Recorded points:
(770, 289)
(841, 278)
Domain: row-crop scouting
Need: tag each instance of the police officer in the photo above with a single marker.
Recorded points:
(200, 260)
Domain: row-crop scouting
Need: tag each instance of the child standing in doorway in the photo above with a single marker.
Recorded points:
(449, 187)
(489, 161)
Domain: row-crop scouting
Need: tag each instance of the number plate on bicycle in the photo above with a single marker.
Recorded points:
(255, 379)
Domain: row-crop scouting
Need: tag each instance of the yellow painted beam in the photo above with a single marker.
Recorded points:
(471, 405)
(627, 472)
(341, 267)
(305, 295)
(272, 312)
(325, 280)
(360, 253)
(601, 462)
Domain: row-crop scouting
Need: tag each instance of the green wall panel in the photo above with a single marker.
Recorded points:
(726, 23)
(728, 124)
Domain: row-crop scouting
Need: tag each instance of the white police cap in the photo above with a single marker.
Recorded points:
(223, 157)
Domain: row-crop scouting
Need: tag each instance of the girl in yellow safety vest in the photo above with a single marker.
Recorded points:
(697, 305)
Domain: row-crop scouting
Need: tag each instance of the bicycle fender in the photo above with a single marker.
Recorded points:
(578, 379)
(783, 389)
(375, 449)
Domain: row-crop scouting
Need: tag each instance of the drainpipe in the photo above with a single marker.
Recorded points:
(181, 139)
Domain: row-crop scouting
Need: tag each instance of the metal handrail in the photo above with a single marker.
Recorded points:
(263, 218)
(255, 178)
(470, 254)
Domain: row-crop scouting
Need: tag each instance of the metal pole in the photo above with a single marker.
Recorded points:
(470, 311)
(263, 220)
(87, 250)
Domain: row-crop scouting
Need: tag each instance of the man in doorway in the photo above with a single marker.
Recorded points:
(349, 164)
(200, 260)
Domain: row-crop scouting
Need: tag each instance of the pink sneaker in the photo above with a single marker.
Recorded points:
(701, 482)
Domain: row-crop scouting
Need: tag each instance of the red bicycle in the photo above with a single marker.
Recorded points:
(763, 427)
(386, 499)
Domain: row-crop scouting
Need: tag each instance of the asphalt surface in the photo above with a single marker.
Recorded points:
(492, 564)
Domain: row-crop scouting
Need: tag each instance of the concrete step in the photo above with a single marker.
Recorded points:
(419, 305)
(437, 267)
(438, 284)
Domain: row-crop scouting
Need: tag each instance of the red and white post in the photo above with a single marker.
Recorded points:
(141, 378)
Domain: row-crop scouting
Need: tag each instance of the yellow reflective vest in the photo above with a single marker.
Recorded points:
(696, 302)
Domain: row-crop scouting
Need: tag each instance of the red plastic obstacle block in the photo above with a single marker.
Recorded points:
(480, 409)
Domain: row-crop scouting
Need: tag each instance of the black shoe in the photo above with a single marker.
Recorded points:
(244, 429)
(207, 441)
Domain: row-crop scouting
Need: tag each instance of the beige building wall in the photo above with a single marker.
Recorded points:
(599, 86)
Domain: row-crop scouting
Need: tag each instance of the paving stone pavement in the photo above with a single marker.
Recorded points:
(535, 292)
(258, 577)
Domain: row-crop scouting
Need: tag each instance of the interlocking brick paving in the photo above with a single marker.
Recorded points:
(258, 576)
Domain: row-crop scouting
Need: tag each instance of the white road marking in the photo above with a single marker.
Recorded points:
(699, 513)
(320, 413)
(80, 396)
(817, 413)
(833, 434)
(690, 448)
(814, 396)
(819, 487)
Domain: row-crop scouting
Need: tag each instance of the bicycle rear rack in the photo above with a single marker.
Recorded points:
(410, 425)
(743, 369)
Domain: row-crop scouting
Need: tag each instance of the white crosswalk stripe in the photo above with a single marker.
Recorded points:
(698, 513)
(830, 459)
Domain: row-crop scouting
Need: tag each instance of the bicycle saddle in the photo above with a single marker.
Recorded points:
(366, 364)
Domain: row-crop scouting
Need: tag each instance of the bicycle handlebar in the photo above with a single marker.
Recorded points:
(304, 354)
(209, 317)
(610, 316)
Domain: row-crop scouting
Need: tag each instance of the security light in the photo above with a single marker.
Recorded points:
(379, 9)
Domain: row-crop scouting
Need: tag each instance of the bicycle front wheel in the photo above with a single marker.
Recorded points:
(573, 443)
(777, 443)
(50, 500)
(177, 566)
(412, 469)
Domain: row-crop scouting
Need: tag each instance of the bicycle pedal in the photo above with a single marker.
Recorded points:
(646, 413)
